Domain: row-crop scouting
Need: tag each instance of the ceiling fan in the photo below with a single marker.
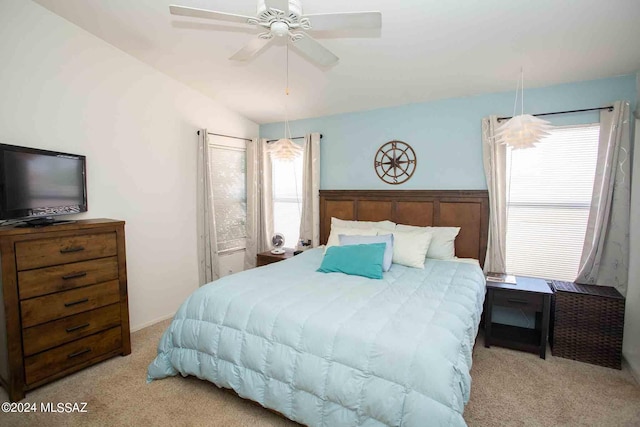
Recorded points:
(282, 18)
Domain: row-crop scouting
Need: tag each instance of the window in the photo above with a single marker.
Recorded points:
(287, 199)
(228, 175)
(549, 198)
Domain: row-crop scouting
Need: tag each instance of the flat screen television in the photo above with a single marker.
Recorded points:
(36, 185)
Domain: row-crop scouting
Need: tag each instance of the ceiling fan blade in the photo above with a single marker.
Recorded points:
(278, 4)
(208, 14)
(251, 49)
(345, 21)
(314, 50)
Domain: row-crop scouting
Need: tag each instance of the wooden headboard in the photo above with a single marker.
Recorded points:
(468, 210)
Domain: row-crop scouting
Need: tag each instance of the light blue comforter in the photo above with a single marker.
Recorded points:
(332, 349)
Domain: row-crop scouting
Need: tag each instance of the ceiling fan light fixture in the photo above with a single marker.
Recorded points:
(279, 29)
(284, 18)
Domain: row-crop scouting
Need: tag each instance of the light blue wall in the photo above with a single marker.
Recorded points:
(445, 134)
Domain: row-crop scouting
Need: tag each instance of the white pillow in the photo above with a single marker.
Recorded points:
(334, 239)
(382, 225)
(410, 247)
(443, 241)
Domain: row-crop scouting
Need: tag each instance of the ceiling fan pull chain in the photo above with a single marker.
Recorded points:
(287, 132)
(515, 102)
(522, 90)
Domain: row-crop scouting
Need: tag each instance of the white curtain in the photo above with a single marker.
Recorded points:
(265, 222)
(494, 156)
(259, 201)
(605, 255)
(253, 204)
(310, 214)
(208, 263)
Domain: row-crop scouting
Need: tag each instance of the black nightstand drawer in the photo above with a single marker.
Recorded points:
(514, 299)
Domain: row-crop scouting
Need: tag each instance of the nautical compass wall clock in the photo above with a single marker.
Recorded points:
(395, 162)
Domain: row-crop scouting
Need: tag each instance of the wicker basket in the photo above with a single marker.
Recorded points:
(587, 323)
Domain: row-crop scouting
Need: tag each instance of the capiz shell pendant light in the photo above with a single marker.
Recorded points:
(285, 148)
(522, 131)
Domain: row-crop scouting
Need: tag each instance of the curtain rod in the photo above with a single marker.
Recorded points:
(610, 108)
(248, 139)
(227, 136)
(295, 137)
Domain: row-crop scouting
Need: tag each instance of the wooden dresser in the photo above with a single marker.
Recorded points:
(64, 301)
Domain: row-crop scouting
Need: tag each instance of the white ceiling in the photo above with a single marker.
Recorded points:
(426, 50)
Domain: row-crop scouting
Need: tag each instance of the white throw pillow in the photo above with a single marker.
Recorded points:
(387, 239)
(443, 241)
(382, 225)
(410, 247)
(334, 239)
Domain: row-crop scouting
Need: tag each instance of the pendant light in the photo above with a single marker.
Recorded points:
(522, 131)
(285, 148)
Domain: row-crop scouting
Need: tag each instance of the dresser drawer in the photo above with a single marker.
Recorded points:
(52, 334)
(516, 299)
(55, 306)
(51, 362)
(42, 281)
(46, 252)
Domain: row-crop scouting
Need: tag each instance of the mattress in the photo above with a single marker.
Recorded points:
(333, 349)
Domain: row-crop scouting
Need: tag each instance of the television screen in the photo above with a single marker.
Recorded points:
(36, 183)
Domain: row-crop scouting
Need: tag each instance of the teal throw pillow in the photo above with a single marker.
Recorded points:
(346, 240)
(357, 260)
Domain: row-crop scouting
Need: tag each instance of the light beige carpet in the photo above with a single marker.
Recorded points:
(509, 388)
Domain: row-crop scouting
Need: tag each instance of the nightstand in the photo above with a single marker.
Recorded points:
(529, 297)
(265, 258)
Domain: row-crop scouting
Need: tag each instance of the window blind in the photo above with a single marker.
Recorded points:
(287, 199)
(550, 188)
(229, 188)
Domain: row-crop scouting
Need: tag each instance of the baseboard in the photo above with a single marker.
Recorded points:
(635, 370)
(151, 322)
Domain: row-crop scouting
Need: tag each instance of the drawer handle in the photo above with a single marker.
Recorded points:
(74, 275)
(71, 249)
(80, 301)
(78, 353)
(517, 301)
(75, 328)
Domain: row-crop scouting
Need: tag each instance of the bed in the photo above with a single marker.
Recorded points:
(340, 350)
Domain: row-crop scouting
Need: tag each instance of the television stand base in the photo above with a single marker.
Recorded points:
(44, 222)
(66, 221)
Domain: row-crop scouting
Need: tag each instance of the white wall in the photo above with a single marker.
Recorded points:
(64, 89)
